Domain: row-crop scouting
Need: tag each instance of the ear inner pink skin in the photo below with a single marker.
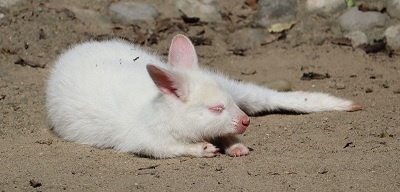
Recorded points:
(162, 81)
(182, 53)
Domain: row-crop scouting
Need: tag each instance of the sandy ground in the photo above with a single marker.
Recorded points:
(329, 151)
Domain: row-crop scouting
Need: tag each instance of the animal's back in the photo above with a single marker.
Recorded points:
(95, 87)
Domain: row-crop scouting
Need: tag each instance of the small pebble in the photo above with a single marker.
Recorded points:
(280, 85)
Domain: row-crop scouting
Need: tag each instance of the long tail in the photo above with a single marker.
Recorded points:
(254, 99)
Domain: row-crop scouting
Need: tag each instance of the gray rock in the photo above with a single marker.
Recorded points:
(9, 3)
(355, 20)
(91, 17)
(393, 8)
(132, 12)
(371, 5)
(6, 77)
(270, 12)
(358, 38)
(206, 10)
(280, 85)
(392, 35)
(325, 6)
(337, 85)
(246, 38)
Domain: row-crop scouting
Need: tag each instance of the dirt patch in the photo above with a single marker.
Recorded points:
(330, 151)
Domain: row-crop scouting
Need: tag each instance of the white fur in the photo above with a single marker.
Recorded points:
(99, 94)
(253, 99)
(114, 94)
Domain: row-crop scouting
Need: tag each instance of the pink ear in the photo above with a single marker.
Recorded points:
(182, 53)
(167, 82)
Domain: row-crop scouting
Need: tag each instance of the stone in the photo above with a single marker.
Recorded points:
(355, 20)
(371, 5)
(9, 3)
(392, 35)
(246, 38)
(281, 85)
(337, 85)
(6, 77)
(91, 17)
(270, 12)
(206, 10)
(132, 12)
(393, 8)
(325, 6)
(358, 38)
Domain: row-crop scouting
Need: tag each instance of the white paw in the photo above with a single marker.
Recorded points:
(237, 150)
(208, 149)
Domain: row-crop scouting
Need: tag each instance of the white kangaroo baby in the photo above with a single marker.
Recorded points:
(112, 94)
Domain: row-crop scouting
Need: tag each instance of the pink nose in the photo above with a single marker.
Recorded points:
(244, 122)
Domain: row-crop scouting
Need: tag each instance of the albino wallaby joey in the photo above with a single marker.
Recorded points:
(113, 94)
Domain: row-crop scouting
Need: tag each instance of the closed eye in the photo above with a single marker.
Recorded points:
(217, 109)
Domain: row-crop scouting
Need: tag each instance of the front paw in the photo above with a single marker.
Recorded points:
(208, 150)
(237, 150)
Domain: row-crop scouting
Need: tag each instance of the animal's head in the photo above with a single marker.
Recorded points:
(200, 101)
